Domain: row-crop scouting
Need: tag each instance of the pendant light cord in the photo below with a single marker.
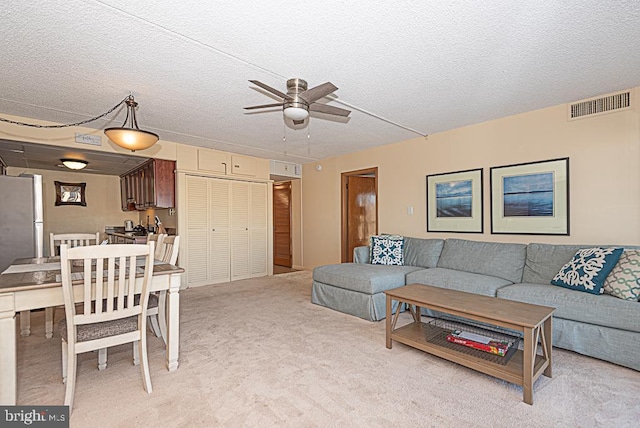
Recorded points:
(34, 125)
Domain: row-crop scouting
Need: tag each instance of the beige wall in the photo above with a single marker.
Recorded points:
(103, 203)
(604, 173)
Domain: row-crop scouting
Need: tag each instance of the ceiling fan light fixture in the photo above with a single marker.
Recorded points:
(296, 113)
(74, 164)
(131, 137)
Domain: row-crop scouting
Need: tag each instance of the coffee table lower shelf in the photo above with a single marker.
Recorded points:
(416, 335)
(534, 323)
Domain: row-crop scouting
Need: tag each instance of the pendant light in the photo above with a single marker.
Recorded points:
(129, 136)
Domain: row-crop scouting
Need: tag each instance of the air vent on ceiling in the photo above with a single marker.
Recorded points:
(286, 169)
(600, 105)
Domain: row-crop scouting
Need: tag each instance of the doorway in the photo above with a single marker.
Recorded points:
(359, 209)
(282, 251)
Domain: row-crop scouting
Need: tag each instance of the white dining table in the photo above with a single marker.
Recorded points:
(25, 288)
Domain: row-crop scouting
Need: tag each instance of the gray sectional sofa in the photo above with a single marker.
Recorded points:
(600, 326)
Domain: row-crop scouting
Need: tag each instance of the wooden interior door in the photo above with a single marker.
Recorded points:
(359, 210)
(282, 224)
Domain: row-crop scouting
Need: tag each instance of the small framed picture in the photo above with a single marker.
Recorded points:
(531, 198)
(70, 193)
(454, 202)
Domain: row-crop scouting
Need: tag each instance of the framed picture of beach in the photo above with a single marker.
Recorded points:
(454, 202)
(531, 198)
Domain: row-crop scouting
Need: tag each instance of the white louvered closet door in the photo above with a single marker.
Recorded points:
(197, 224)
(258, 229)
(226, 228)
(219, 226)
(240, 267)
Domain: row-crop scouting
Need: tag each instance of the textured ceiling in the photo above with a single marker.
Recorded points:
(404, 68)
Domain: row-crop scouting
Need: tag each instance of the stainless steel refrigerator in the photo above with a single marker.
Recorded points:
(21, 218)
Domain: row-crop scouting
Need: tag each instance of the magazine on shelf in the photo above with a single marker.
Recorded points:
(477, 341)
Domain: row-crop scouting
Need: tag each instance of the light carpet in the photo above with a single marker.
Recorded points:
(257, 353)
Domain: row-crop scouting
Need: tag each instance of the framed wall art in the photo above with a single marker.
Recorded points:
(70, 193)
(531, 198)
(454, 202)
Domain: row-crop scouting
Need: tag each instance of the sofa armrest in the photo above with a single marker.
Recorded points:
(361, 254)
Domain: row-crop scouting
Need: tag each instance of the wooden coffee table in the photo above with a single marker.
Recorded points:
(533, 321)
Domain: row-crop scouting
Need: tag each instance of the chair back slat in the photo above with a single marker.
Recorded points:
(86, 273)
(72, 240)
(99, 285)
(113, 280)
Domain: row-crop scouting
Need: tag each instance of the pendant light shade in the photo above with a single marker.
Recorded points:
(129, 136)
(74, 164)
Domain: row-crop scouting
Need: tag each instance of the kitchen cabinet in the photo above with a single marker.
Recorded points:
(150, 185)
(243, 165)
(226, 230)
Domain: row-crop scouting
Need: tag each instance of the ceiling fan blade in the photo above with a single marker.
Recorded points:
(323, 108)
(270, 89)
(265, 106)
(313, 94)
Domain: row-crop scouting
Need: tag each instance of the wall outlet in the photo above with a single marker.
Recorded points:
(410, 210)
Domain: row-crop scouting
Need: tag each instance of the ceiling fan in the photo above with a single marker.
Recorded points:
(299, 100)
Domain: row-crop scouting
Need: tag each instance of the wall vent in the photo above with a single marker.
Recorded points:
(600, 105)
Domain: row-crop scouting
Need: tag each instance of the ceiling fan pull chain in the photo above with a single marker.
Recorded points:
(284, 137)
(309, 138)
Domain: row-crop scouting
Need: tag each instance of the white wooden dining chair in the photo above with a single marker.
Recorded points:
(55, 239)
(153, 303)
(170, 255)
(158, 238)
(156, 310)
(157, 301)
(110, 313)
(72, 240)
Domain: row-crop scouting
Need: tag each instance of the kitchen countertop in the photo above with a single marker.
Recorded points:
(138, 239)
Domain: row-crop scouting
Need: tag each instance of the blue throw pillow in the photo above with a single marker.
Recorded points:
(588, 269)
(387, 250)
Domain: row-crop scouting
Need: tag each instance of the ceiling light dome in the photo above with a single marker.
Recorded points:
(74, 164)
(296, 113)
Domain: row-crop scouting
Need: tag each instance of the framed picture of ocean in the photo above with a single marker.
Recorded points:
(531, 198)
(454, 202)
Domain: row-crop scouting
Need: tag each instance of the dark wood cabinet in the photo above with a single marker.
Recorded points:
(150, 185)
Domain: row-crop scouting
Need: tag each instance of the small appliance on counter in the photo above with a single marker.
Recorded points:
(128, 226)
(140, 230)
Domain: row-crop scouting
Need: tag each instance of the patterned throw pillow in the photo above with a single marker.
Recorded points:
(588, 269)
(387, 250)
(624, 279)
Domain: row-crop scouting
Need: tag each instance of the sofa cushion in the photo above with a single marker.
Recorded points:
(624, 280)
(458, 280)
(365, 278)
(545, 260)
(422, 252)
(387, 250)
(572, 305)
(361, 254)
(489, 258)
(588, 269)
